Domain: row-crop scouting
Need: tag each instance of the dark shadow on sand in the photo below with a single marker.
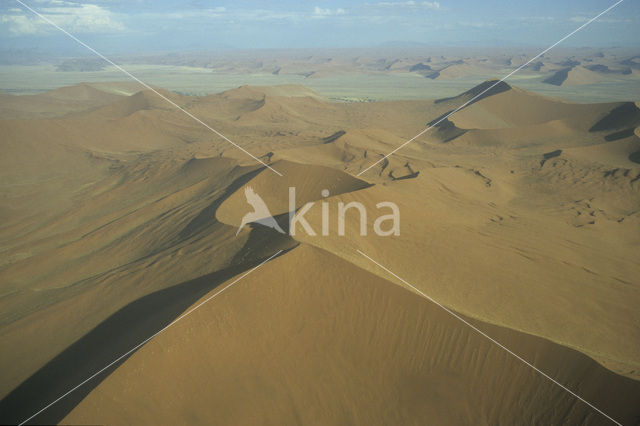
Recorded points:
(116, 335)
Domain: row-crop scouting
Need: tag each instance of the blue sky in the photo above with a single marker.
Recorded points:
(119, 26)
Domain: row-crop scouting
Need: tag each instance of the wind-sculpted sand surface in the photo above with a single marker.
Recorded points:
(521, 213)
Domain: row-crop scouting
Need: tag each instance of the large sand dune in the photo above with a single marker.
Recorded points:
(520, 212)
(345, 347)
(56, 103)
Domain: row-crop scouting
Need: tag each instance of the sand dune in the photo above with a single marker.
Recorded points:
(352, 151)
(624, 116)
(352, 348)
(142, 100)
(308, 180)
(573, 76)
(576, 74)
(506, 106)
(457, 70)
(56, 103)
(520, 212)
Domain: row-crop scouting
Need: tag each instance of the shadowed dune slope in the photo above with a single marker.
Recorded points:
(108, 341)
(573, 76)
(507, 106)
(346, 347)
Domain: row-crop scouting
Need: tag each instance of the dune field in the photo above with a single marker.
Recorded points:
(520, 213)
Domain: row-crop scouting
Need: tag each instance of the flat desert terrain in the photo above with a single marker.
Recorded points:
(520, 213)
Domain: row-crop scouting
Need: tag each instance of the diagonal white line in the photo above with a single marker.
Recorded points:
(152, 336)
(491, 339)
(148, 87)
(492, 86)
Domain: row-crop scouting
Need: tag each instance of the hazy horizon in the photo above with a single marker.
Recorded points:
(118, 27)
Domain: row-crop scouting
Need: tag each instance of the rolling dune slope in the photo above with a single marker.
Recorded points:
(56, 103)
(345, 347)
(520, 212)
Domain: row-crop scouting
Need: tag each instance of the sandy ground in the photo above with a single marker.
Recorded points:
(119, 213)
